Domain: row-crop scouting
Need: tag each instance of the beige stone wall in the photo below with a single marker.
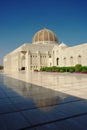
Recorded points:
(33, 59)
(71, 56)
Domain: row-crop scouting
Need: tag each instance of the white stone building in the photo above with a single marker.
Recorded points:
(45, 50)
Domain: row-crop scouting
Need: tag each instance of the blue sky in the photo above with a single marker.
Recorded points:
(20, 19)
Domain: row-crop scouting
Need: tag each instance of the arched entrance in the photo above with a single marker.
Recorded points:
(23, 60)
(57, 61)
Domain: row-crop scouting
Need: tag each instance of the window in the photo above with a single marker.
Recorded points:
(49, 56)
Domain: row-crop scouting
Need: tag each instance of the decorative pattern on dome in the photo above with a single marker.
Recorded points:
(44, 36)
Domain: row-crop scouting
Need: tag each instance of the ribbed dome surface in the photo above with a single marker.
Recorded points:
(44, 36)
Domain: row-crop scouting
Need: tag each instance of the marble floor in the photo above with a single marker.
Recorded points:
(43, 101)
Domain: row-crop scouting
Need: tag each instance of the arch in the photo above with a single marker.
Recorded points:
(23, 62)
(57, 61)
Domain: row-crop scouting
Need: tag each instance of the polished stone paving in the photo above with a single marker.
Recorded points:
(43, 101)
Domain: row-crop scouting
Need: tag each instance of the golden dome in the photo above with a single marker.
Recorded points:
(44, 36)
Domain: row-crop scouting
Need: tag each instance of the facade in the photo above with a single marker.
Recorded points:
(44, 51)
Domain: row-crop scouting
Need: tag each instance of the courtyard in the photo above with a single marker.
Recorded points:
(43, 101)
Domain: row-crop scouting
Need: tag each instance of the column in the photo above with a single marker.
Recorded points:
(28, 60)
(38, 59)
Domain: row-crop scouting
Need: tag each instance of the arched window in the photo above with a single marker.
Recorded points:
(57, 61)
(71, 61)
(79, 59)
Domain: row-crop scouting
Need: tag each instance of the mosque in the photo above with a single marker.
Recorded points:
(45, 51)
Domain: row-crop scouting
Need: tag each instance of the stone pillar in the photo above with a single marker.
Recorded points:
(28, 60)
(47, 58)
(19, 60)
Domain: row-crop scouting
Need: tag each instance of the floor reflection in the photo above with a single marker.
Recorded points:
(25, 105)
(41, 96)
